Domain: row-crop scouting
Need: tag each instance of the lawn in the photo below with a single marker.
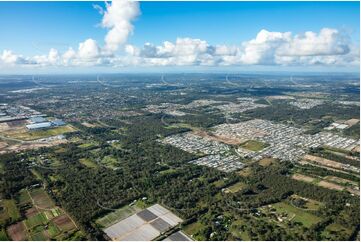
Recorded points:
(88, 162)
(115, 216)
(296, 214)
(253, 145)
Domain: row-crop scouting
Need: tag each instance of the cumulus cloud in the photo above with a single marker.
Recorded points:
(327, 47)
(117, 17)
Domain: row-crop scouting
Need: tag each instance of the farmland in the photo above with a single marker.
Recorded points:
(43, 220)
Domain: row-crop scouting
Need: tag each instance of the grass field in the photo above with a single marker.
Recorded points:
(296, 214)
(9, 210)
(3, 235)
(2, 168)
(87, 145)
(266, 162)
(310, 204)
(24, 197)
(110, 161)
(88, 163)
(41, 199)
(119, 214)
(236, 187)
(192, 229)
(333, 229)
(235, 229)
(38, 134)
(36, 220)
(253, 145)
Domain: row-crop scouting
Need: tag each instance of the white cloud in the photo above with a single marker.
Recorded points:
(329, 47)
(117, 17)
(88, 50)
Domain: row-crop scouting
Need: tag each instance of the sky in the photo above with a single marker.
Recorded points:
(123, 36)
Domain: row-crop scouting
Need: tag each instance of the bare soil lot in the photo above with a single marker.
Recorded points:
(300, 177)
(17, 232)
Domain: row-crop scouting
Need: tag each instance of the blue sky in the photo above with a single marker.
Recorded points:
(32, 28)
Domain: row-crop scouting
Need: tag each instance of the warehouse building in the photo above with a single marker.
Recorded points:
(38, 125)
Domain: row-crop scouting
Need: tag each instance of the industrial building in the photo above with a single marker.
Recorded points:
(38, 125)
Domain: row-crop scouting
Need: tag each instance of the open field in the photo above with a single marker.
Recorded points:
(335, 228)
(341, 181)
(116, 216)
(193, 229)
(318, 182)
(24, 134)
(88, 163)
(304, 178)
(41, 199)
(235, 187)
(296, 214)
(110, 161)
(17, 231)
(8, 210)
(330, 185)
(237, 231)
(3, 235)
(323, 161)
(253, 145)
(24, 197)
(307, 203)
(266, 162)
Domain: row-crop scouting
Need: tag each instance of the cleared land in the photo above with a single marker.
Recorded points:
(235, 187)
(296, 214)
(117, 215)
(88, 163)
(26, 135)
(253, 145)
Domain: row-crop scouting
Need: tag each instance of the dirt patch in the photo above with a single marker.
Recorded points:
(266, 162)
(352, 122)
(88, 125)
(17, 232)
(300, 177)
(64, 222)
(323, 161)
(31, 212)
(330, 185)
